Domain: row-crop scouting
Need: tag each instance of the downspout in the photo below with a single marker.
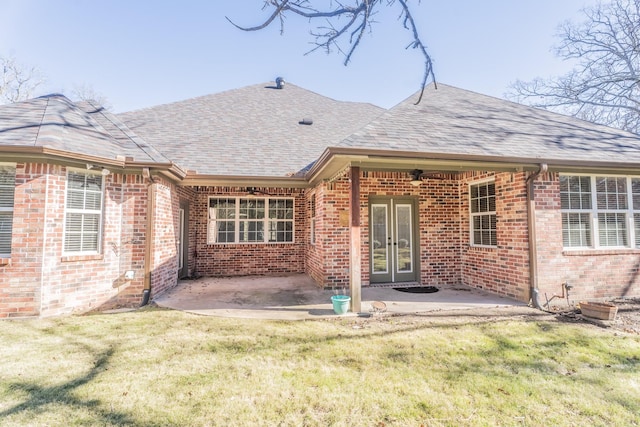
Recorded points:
(533, 250)
(148, 245)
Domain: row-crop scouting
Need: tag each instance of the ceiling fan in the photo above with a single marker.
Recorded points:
(253, 191)
(417, 175)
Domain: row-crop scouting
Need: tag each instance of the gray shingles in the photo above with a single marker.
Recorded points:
(255, 131)
(251, 131)
(458, 122)
(55, 122)
(20, 122)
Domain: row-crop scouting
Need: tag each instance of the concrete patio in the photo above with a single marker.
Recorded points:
(296, 297)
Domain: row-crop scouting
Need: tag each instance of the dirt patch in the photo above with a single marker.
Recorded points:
(626, 321)
(628, 317)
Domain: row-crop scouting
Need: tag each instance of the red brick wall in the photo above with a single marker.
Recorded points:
(331, 256)
(328, 260)
(81, 283)
(164, 270)
(438, 222)
(20, 276)
(594, 274)
(439, 232)
(39, 280)
(313, 260)
(187, 195)
(132, 234)
(446, 257)
(503, 270)
(248, 258)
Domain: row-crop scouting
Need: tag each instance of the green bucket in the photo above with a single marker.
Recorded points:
(341, 303)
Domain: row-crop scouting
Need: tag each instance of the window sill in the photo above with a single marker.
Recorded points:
(5, 262)
(73, 258)
(482, 248)
(239, 244)
(599, 252)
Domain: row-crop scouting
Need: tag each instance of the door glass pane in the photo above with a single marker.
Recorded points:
(379, 237)
(404, 239)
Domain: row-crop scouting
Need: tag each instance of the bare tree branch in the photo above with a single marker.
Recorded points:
(344, 22)
(84, 92)
(409, 23)
(17, 82)
(604, 87)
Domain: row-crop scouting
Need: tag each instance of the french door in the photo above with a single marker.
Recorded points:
(393, 243)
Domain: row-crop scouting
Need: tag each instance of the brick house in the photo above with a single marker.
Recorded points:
(101, 210)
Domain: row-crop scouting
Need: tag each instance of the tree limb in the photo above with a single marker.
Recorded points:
(17, 82)
(605, 85)
(342, 21)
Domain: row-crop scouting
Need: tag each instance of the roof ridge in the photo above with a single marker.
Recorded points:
(44, 113)
(126, 131)
(263, 85)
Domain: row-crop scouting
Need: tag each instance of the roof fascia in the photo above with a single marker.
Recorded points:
(335, 159)
(596, 169)
(29, 154)
(120, 164)
(193, 179)
(170, 170)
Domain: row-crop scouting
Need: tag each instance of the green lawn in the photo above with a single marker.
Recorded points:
(156, 368)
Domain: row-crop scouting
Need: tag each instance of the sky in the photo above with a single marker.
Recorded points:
(141, 53)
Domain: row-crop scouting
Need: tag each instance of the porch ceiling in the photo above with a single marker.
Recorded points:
(331, 165)
(335, 160)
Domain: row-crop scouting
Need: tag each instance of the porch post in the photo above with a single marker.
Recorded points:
(355, 253)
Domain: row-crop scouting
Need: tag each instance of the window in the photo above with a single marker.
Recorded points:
(482, 201)
(7, 189)
(250, 220)
(596, 211)
(313, 219)
(575, 199)
(83, 212)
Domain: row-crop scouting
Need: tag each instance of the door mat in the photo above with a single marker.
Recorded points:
(418, 289)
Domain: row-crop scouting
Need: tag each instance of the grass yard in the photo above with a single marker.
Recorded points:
(161, 368)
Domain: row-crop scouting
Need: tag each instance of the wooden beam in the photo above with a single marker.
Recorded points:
(355, 248)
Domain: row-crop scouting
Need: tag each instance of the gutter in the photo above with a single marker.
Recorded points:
(533, 250)
(170, 169)
(120, 164)
(194, 179)
(373, 159)
(149, 237)
(47, 153)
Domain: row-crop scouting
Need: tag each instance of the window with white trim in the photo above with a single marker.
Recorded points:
(7, 190)
(482, 206)
(83, 212)
(250, 220)
(597, 211)
(313, 219)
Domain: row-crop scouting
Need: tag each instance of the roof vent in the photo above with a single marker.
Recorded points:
(306, 121)
(279, 82)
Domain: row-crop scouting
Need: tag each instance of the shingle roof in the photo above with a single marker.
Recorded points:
(251, 131)
(459, 122)
(53, 121)
(256, 130)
